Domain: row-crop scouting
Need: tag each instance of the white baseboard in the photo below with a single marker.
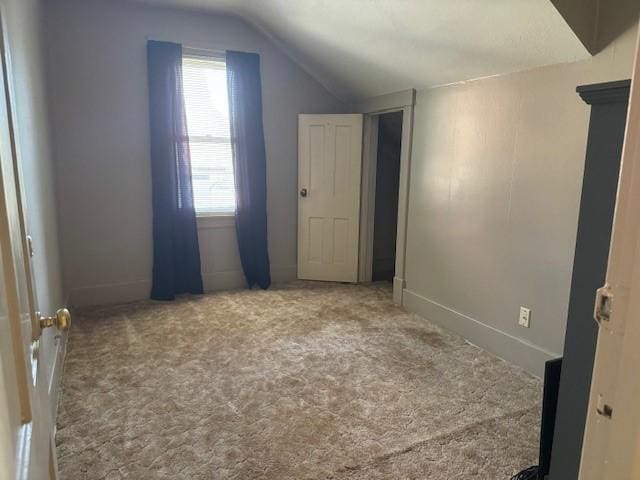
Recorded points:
(123, 292)
(109, 293)
(512, 349)
(229, 280)
(233, 279)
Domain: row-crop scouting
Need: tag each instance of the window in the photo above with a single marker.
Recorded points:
(207, 110)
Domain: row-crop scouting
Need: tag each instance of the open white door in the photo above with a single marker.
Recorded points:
(611, 448)
(329, 168)
(27, 450)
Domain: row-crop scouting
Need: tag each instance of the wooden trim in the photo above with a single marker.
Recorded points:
(368, 194)
(400, 101)
(502, 344)
(608, 92)
(403, 200)
(207, 222)
(384, 103)
(134, 290)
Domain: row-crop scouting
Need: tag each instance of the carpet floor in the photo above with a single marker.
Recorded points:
(303, 381)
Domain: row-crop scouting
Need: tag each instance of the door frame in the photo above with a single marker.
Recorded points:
(404, 102)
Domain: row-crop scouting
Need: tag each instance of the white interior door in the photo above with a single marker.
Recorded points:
(611, 448)
(329, 169)
(26, 423)
(28, 434)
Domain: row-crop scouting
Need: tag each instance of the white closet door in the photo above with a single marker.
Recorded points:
(329, 169)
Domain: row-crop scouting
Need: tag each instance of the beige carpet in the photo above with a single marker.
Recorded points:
(303, 381)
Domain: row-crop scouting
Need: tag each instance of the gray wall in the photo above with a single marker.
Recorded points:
(24, 22)
(494, 196)
(100, 111)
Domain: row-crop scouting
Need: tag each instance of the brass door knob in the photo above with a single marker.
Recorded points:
(61, 320)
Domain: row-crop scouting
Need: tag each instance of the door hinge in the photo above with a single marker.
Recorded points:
(604, 304)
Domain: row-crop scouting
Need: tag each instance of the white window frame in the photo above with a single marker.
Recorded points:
(209, 219)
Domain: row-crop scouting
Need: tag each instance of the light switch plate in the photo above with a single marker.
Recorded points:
(525, 317)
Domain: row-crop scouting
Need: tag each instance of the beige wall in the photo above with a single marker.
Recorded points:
(100, 112)
(494, 197)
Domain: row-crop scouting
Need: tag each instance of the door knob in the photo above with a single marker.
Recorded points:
(303, 192)
(61, 320)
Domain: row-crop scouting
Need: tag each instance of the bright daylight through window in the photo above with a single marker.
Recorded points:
(207, 108)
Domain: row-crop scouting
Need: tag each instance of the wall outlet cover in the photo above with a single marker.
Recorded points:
(525, 317)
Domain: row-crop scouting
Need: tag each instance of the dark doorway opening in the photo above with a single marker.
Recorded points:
(386, 196)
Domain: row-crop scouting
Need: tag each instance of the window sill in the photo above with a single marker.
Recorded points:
(216, 220)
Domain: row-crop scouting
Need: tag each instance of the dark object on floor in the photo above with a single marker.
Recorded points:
(552, 371)
(549, 407)
(530, 473)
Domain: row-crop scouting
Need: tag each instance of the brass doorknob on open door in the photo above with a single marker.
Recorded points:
(62, 320)
(303, 192)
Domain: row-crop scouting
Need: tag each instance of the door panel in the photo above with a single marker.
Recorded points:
(11, 395)
(26, 434)
(329, 168)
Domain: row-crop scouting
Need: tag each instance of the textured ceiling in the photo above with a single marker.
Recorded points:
(362, 48)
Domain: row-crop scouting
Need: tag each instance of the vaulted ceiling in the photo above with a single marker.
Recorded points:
(362, 48)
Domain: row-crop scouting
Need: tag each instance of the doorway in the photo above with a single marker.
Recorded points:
(332, 244)
(387, 178)
(395, 112)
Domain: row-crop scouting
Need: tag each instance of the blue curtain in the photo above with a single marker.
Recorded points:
(176, 254)
(249, 163)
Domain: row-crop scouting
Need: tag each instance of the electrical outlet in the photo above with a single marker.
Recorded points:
(525, 317)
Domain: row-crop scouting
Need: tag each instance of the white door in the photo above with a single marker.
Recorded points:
(329, 169)
(26, 423)
(611, 447)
